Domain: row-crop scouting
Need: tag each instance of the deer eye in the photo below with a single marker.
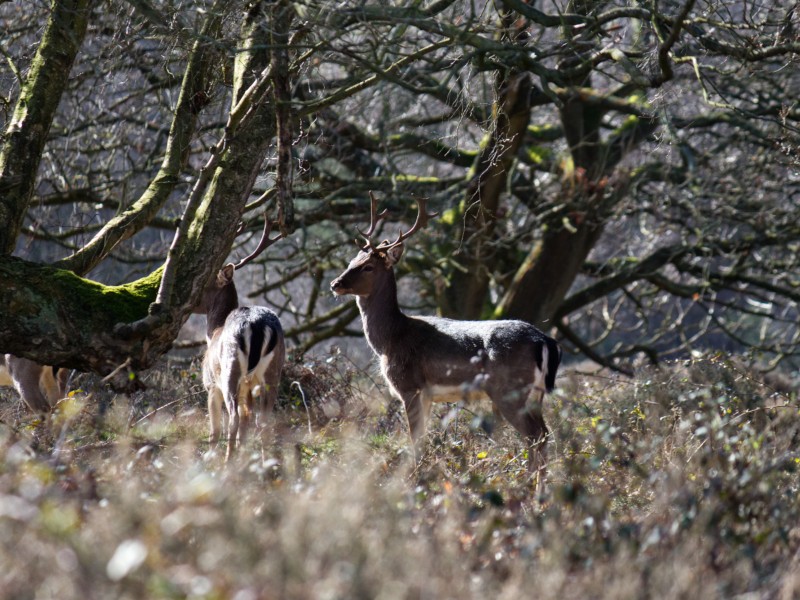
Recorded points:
(367, 269)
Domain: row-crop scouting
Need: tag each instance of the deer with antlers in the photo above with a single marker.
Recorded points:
(245, 355)
(433, 359)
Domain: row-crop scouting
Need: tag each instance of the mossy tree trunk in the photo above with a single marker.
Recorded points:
(54, 317)
(26, 134)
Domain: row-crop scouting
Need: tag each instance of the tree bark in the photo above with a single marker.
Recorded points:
(467, 288)
(26, 134)
(544, 278)
(592, 189)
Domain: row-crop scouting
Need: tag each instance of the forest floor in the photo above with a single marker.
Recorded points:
(681, 482)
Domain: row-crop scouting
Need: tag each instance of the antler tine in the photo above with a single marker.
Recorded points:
(422, 220)
(374, 219)
(263, 244)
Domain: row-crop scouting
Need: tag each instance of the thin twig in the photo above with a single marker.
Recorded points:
(308, 411)
(151, 413)
(114, 373)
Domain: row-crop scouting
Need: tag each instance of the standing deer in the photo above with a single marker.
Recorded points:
(245, 354)
(429, 359)
(38, 386)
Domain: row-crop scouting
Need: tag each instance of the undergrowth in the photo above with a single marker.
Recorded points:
(679, 483)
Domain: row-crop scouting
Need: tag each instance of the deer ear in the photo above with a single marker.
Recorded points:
(225, 275)
(393, 254)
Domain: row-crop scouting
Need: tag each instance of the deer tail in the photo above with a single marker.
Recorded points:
(550, 360)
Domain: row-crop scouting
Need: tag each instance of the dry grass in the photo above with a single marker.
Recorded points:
(681, 483)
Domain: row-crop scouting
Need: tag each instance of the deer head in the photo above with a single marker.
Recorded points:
(375, 262)
(220, 296)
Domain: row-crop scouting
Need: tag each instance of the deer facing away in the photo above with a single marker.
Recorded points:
(244, 359)
(38, 386)
(433, 359)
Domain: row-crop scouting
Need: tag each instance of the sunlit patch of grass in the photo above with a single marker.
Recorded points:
(680, 482)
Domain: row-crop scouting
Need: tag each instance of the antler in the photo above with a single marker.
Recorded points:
(422, 221)
(263, 244)
(374, 219)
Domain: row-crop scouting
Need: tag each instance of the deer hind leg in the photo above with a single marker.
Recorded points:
(529, 421)
(265, 396)
(214, 414)
(62, 382)
(269, 395)
(268, 386)
(52, 388)
(246, 407)
(230, 391)
(272, 377)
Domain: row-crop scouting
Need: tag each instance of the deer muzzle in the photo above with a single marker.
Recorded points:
(338, 287)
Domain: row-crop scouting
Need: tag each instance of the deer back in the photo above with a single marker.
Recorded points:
(255, 331)
(452, 352)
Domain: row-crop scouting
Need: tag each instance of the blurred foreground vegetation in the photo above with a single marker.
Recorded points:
(679, 483)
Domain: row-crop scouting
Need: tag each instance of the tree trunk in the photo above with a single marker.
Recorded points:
(467, 288)
(54, 317)
(590, 191)
(38, 101)
(544, 278)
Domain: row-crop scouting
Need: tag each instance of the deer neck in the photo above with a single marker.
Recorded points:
(381, 315)
(224, 303)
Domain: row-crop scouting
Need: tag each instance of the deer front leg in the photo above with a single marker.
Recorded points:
(418, 407)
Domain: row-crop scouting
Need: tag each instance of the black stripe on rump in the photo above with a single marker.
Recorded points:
(251, 325)
(257, 331)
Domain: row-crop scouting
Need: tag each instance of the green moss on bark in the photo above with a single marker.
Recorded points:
(113, 303)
